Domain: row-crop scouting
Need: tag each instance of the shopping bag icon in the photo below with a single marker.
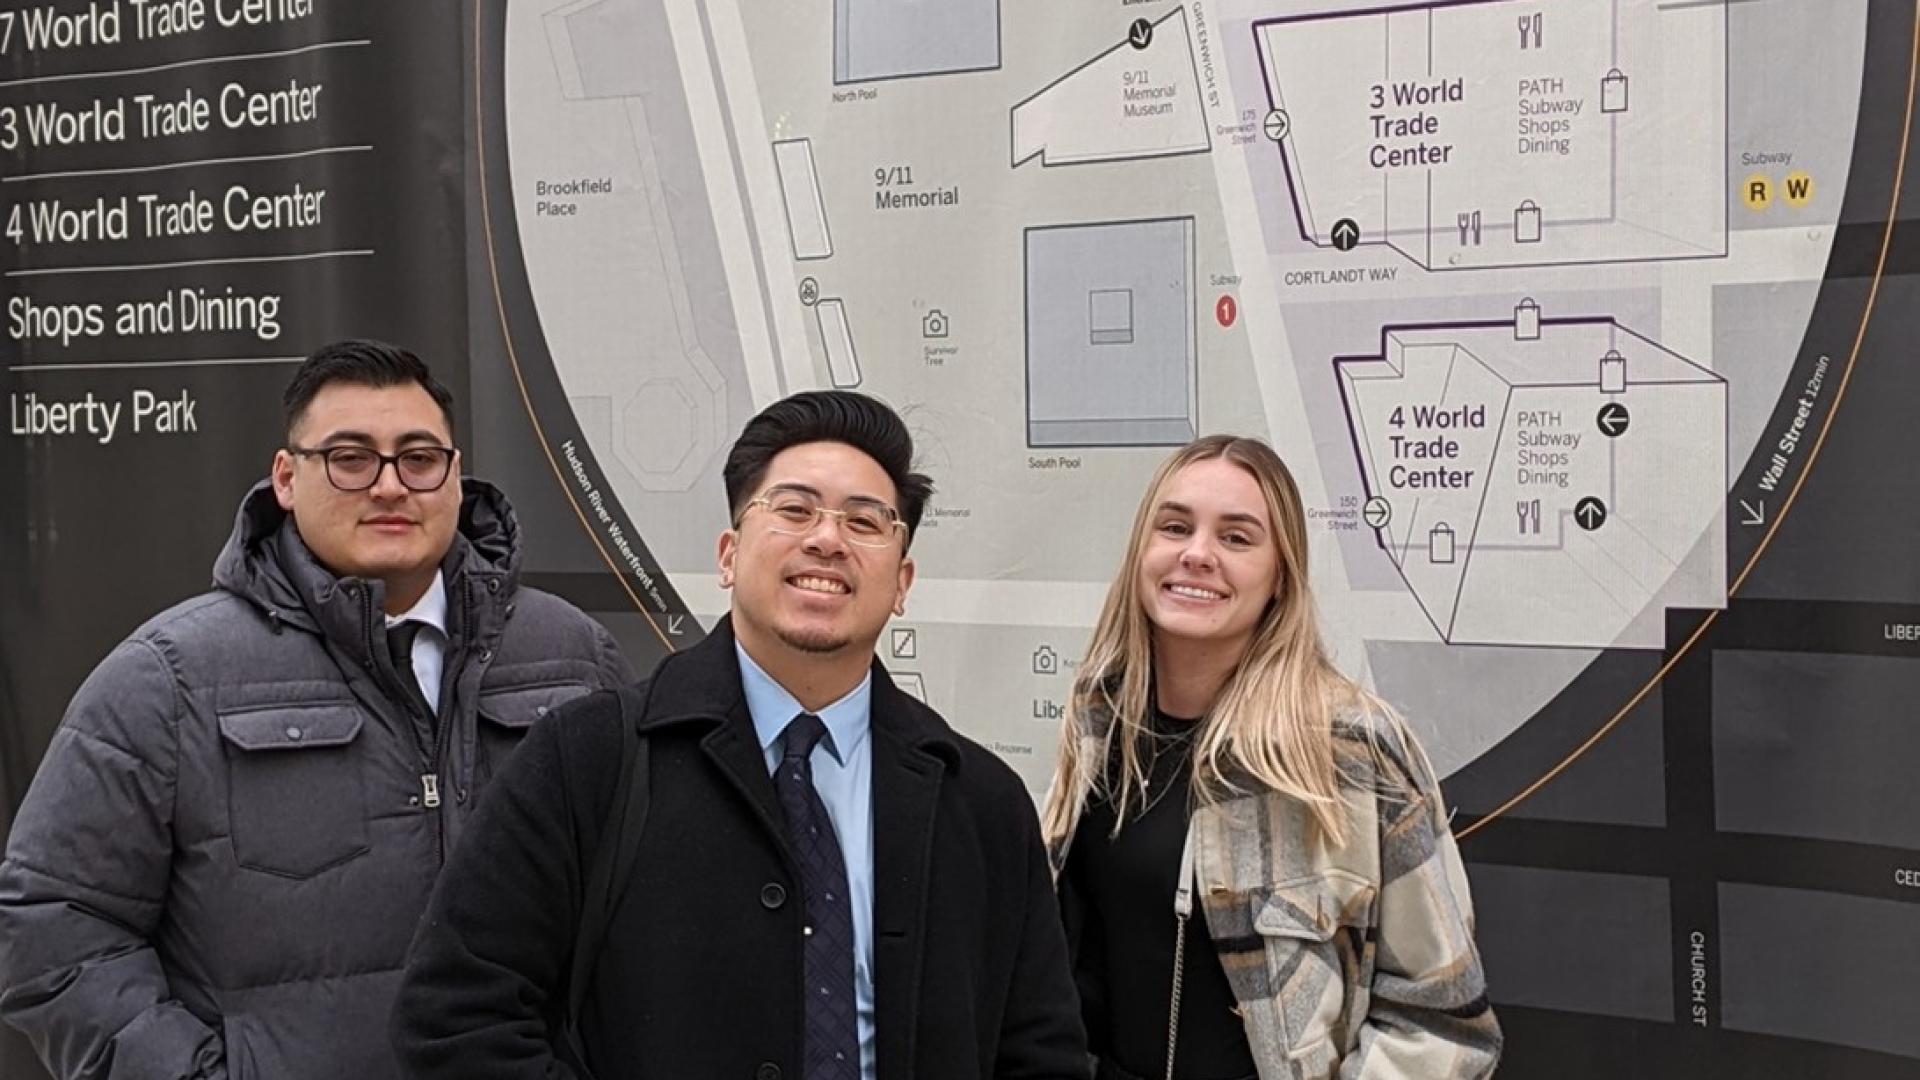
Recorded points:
(1613, 92)
(1440, 543)
(1526, 222)
(1613, 373)
(1526, 320)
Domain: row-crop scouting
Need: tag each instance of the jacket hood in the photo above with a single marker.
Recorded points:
(265, 561)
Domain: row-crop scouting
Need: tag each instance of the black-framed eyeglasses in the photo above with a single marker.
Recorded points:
(796, 512)
(357, 468)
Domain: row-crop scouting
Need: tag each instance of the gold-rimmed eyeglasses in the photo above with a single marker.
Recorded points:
(795, 512)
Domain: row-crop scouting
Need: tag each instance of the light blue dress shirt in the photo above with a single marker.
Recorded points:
(843, 775)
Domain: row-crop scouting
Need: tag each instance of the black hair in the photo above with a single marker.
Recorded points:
(360, 362)
(841, 416)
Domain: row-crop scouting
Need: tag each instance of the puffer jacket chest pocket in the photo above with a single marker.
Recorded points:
(1320, 955)
(295, 797)
(507, 712)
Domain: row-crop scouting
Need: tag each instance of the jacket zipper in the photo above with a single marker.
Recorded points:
(430, 767)
(440, 730)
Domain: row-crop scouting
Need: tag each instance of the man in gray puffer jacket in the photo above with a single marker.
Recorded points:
(218, 868)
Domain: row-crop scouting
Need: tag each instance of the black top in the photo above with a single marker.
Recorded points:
(1125, 961)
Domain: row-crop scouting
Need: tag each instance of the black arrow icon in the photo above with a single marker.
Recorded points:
(1140, 35)
(1590, 513)
(1377, 512)
(1346, 234)
(1612, 419)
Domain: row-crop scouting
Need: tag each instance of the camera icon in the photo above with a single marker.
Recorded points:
(1046, 661)
(934, 324)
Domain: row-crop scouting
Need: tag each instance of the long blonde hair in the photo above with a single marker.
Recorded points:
(1272, 725)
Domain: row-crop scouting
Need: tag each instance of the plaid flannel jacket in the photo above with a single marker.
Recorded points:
(1355, 961)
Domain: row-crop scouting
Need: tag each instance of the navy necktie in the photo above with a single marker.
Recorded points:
(832, 1033)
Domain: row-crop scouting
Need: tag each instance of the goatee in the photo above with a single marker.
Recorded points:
(815, 641)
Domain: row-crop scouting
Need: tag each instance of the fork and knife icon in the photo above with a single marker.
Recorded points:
(1531, 28)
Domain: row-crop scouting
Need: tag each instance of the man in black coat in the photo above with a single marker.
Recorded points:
(831, 884)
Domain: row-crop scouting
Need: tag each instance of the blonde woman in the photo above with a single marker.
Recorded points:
(1214, 760)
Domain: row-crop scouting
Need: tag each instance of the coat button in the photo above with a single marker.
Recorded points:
(767, 1071)
(772, 895)
(295, 733)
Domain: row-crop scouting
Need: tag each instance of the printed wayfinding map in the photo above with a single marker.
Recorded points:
(1587, 327)
(1548, 304)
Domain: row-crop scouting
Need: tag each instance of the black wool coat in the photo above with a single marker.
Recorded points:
(700, 973)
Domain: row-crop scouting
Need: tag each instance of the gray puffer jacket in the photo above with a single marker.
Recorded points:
(220, 863)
